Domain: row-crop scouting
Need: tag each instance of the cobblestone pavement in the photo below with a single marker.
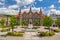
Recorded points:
(11, 38)
(31, 36)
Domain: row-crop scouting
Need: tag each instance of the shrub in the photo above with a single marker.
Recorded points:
(36, 27)
(47, 34)
(24, 27)
(43, 34)
(46, 28)
(2, 26)
(57, 30)
(4, 30)
(51, 33)
(15, 34)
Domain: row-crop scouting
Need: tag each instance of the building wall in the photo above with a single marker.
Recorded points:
(30, 16)
(55, 17)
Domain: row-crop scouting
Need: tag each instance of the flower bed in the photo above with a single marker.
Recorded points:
(57, 30)
(46, 34)
(4, 30)
(15, 34)
(36, 27)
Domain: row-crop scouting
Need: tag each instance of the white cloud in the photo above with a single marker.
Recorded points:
(14, 12)
(1, 3)
(35, 3)
(59, 1)
(25, 6)
(18, 1)
(53, 11)
(52, 6)
(40, 0)
(34, 9)
(24, 2)
(13, 6)
(59, 7)
(8, 11)
(3, 0)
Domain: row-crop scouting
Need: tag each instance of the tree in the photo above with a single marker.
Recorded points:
(7, 18)
(2, 22)
(24, 22)
(47, 22)
(13, 22)
(58, 22)
(36, 22)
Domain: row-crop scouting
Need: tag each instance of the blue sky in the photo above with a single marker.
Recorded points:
(14, 5)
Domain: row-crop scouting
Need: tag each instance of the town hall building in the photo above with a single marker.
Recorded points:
(35, 18)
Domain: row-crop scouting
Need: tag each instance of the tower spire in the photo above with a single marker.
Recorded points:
(41, 21)
(30, 11)
(40, 10)
(19, 11)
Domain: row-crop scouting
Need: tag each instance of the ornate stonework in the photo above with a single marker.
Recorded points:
(30, 17)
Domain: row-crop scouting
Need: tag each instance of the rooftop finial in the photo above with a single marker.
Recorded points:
(30, 10)
(40, 10)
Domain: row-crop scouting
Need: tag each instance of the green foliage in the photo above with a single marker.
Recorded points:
(36, 22)
(46, 34)
(24, 22)
(24, 27)
(2, 21)
(36, 27)
(51, 33)
(57, 30)
(13, 22)
(47, 21)
(15, 34)
(57, 22)
(2, 26)
(3, 30)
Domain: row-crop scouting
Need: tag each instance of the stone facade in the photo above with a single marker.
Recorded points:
(55, 17)
(30, 17)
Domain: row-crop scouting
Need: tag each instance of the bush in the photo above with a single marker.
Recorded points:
(46, 28)
(15, 34)
(36, 27)
(51, 33)
(57, 30)
(43, 34)
(47, 34)
(24, 27)
(2, 26)
(4, 30)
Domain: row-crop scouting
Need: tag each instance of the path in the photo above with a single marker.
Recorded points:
(31, 36)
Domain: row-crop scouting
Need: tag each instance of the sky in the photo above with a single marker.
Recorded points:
(13, 6)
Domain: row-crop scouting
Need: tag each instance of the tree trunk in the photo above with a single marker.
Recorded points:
(49, 30)
(12, 29)
(7, 21)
